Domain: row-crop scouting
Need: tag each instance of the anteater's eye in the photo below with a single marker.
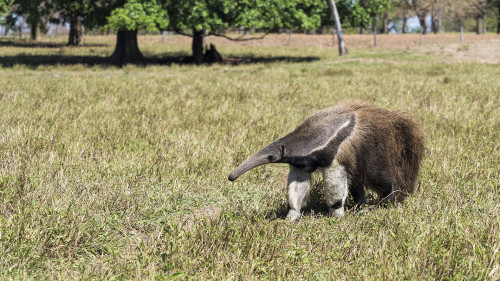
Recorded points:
(270, 157)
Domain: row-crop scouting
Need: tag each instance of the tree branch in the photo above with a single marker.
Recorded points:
(182, 33)
(239, 38)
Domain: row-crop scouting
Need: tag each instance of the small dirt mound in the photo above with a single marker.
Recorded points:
(200, 215)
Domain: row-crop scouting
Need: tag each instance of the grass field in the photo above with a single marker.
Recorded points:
(109, 173)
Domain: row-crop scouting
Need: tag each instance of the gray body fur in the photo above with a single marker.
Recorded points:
(355, 145)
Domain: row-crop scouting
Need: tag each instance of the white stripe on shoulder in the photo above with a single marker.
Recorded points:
(330, 139)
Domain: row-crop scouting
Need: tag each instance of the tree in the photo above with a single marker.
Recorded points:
(351, 14)
(421, 8)
(402, 7)
(374, 8)
(459, 10)
(385, 22)
(4, 9)
(480, 7)
(80, 13)
(73, 11)
(495, 5)
(127, 20)
(433, 8)
(198, 19)
(37, 14)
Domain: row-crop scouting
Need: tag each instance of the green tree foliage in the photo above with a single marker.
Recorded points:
(73, 11)
(88, 13)
(4, 9)
(100, 11)
(299, 15)
(36, 13)
(212, 17)
(494, 5)
(374, 8)
(138, 14)
(351, 14)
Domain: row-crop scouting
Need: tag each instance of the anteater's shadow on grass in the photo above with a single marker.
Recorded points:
(34, 61)
(318, 207)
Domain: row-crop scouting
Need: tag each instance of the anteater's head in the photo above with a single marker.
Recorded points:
(272, 153)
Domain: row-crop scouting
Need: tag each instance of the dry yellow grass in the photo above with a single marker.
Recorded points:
(109, 173)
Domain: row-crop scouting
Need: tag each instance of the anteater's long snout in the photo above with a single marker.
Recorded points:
(260, 158)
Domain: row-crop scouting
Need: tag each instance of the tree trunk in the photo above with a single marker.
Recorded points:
(197, 46)
(498, 18)
(211, 54)
(361, 30)
(126, 50)
(479, 25)
(75, 31)
(342, 50)
(437, 26)
(35, 32)
(485, 24)
(385, 28)
(375, 31)
(434, 22)
(423, 24)
(403, 24)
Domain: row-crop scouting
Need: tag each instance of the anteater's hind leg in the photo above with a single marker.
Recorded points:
(387, 193)
(335, 184)
(358, 193)
(299, 184)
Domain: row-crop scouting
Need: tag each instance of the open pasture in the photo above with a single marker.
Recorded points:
(121, 173)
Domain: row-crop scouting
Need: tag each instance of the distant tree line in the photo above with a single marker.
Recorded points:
(200, 18)
(451, 13)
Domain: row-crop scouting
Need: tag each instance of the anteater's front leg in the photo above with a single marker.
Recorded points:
(299, 184)
(336, 188)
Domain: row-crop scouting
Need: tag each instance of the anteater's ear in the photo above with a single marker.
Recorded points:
(282, 150)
